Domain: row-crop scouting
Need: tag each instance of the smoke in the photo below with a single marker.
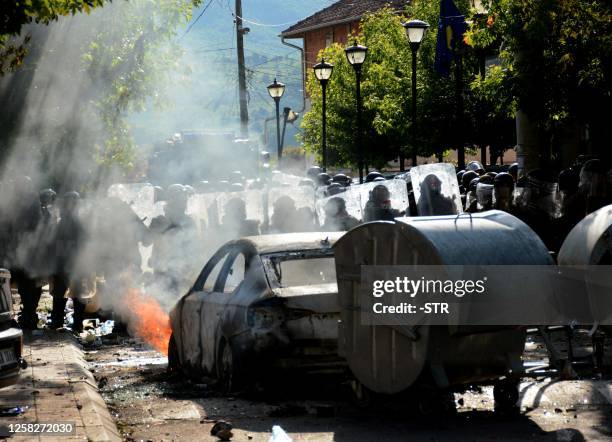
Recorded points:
(67, 127)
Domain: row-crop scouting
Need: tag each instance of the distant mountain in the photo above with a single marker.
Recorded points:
(207, 98)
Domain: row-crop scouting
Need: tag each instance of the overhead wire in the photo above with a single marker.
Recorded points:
(197, 19)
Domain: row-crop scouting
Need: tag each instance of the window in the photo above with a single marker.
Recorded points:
(329, 39)
(235, 274)
(209, 284)
(303, 271)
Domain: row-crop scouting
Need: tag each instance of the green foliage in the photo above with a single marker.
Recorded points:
(384, 89)
(556, 57)
(387, 97)
(132, 60)
(110, 64)
(16, 14)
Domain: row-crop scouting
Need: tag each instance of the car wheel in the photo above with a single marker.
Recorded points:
(228, 372)
(173, 356)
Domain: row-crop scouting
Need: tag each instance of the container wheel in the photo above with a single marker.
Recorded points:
(436, 403)
(506, 396)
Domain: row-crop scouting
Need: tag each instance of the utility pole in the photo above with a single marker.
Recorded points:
(242, 90)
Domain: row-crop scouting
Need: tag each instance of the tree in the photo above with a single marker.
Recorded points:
(386, 91)
(16, 14)
(556, 64)
(67, 107)
(384, 86)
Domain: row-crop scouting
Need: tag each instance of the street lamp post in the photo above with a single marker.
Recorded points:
(356, 55)
(415, 31)
(276, 91)
(323, 71)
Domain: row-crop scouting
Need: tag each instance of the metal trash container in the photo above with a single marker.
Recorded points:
(390, 359)
(590, 241)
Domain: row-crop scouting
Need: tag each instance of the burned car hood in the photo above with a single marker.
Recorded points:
(319, 298)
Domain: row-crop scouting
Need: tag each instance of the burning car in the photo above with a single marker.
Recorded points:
(11, 337)
(259, 303)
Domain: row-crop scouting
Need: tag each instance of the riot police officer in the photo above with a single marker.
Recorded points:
(284, 215)
(69, 240)
(175, 242)
(235, 223)
(471, 200)
(431, 201)
(336, 216)
(23, 247)
(47, 199)
(503, 189)
(379, 207)
(484, 193)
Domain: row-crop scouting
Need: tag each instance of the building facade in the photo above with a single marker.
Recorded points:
(334, 24)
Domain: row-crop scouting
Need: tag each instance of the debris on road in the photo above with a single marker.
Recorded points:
(222, 430)
(13, 411)
(279, 435)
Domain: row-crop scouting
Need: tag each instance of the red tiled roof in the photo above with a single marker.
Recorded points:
(343, 11)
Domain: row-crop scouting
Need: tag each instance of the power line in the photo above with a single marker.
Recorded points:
(200, 51)
(198, 18)
(236, 16)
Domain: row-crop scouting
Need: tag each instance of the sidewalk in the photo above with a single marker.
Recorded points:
(58, 387)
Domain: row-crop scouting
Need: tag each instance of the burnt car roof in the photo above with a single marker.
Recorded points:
(288, 242)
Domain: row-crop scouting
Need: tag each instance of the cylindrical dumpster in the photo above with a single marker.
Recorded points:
(389, 359)
(590, 241)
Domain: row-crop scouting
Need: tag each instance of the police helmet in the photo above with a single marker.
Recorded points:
(47, 196)
(314, 172)
(503, 179)
(370, 177)
(467, 178)
(323, 179)
(342, 179)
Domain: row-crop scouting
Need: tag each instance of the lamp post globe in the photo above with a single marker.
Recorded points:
(415, 30)
(276, 89)
(356, 55)
(323, 70)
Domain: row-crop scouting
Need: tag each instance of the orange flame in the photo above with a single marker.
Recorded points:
(149, 320)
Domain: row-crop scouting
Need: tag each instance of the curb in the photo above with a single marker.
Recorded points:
(98, 423)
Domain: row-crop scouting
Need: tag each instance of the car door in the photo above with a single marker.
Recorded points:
(194, 304)
(230, 276)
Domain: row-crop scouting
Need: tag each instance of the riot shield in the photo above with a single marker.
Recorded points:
(436, 190)
(398, 195)
(484, 196)
(303, 214)
(252, 199)
(352, 201)
(539, 196)
(140, 197)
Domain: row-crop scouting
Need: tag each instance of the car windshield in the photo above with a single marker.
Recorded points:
(300, 269)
